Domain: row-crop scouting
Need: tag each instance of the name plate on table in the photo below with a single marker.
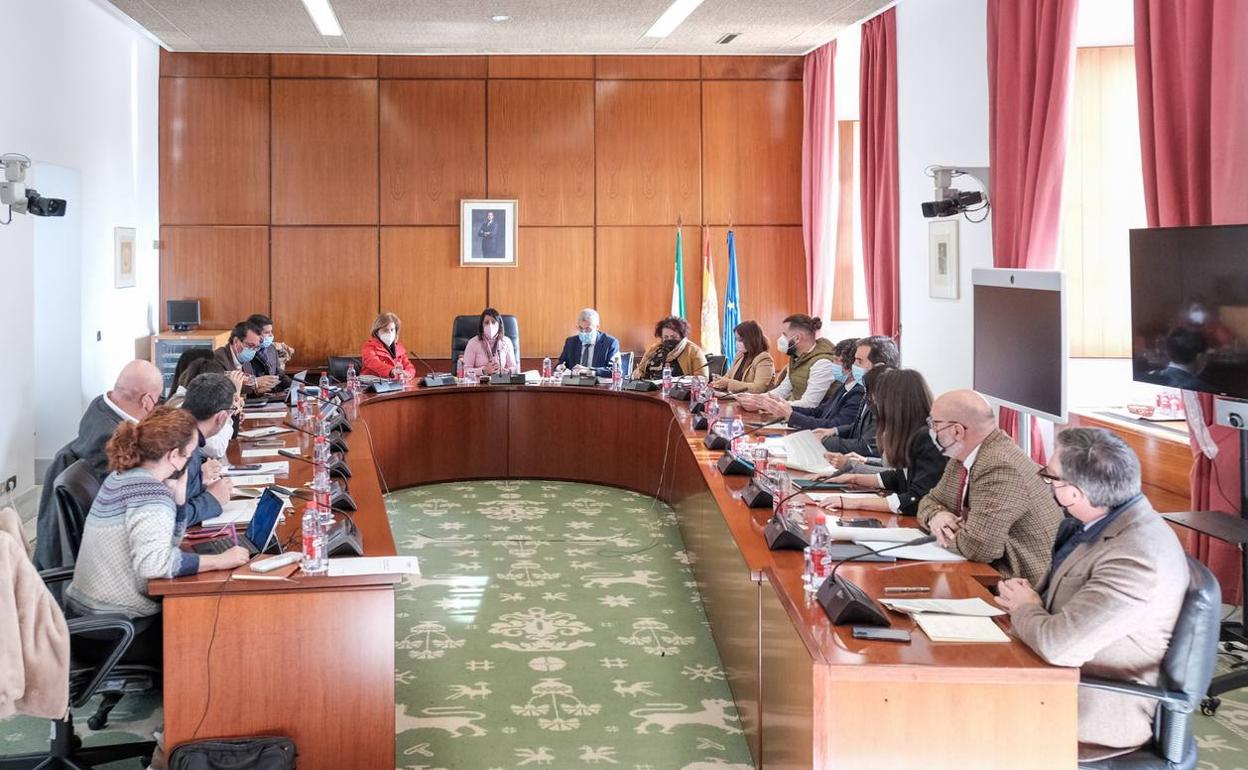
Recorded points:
(437, 380)
(580, 381)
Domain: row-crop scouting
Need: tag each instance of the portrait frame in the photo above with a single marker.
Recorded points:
(944, 277)
(488, 233)
(125, 258)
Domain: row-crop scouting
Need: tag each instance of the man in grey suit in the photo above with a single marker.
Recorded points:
(135, 393)
(1112, 597)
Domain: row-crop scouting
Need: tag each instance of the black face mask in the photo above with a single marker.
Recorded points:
(667, 346)
(180, 472)
(792, 351)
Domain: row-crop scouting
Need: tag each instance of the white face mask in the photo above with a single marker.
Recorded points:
(387, 337)
(1198, 316)
(740, 348)
(783, 343)
(490, 330)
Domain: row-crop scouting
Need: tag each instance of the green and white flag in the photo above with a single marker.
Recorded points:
(678, 281)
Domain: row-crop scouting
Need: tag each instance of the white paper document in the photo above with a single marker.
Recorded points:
(877, 535)
(819, 497)
(805, 452)
(270, 414)
(253, 480)
(974, 607)
(238, 512)
(268, 451)
(374, 565)
(272, 430)
(925, 552)
(960, 628)
(277, 468)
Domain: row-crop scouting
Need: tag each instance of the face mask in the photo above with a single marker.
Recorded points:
(935, 434)
(740, 348)
(490, 330)
(179, 472)
(266, 341)
(586, 338)
(859, 373)
(246, 355)
(783, 342)
(839, 374)
(387, 338)
(1198, 316)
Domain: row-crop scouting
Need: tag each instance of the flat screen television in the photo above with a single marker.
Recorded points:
(182, 314)
(1189, 308)
(1019, 336)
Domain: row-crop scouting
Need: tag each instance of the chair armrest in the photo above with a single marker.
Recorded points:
(1175, 699)
(56, 574)
(93, 624)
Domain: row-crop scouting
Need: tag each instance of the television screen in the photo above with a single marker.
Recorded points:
(182, 312)
(1020, 340)
(1189, 308)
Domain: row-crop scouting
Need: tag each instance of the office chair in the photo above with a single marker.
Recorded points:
(626, 363)
(89, 677)
(1186, 671)
(337, 366)
(464, 328)
(716, 365)
(73, 492)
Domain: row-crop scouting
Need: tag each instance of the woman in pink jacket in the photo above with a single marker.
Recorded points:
(490, 352)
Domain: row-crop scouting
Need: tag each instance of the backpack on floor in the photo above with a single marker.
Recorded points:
(260, 753)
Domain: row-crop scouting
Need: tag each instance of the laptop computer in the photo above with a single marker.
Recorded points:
(259, 533)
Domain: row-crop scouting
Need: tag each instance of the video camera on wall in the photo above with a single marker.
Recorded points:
(22, 199)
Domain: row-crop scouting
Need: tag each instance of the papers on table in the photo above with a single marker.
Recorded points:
(873, 534)
(973, 607)
(266, 414)
(271, 430)
(277, 468)
(805, 452)
(374, 565)
(268, 451)
(819, 497)
(925, 552)
(238, 512)
(253, 480)
(532, 377)
(960, 628)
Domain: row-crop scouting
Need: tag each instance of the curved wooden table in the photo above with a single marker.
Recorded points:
(810, 695)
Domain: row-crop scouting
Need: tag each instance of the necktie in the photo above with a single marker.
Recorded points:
(584, 354)
(963, 507)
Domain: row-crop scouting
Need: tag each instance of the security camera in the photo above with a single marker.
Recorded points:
(22, 199)
(950, 200)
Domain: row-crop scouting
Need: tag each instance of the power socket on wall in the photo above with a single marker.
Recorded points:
(1231, 414)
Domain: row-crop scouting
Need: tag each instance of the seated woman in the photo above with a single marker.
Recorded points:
(132, 533)
(490, 352)
(674, 347)
(754, 368)
(214, 446)
(383, 355)
(901, 403)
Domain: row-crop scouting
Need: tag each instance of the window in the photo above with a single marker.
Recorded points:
(849, 290)
(1102, 199)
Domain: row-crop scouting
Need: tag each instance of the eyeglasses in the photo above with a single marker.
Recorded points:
(1046, 477)
(931, 424)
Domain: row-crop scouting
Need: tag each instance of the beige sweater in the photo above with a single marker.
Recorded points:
(34, 641)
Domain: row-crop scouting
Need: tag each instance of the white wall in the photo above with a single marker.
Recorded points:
(93, 109)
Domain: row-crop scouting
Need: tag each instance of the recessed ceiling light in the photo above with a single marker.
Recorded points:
(672, 18)
(323, 17)
(500, 17)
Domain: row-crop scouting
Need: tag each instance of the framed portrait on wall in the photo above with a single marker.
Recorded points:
(487, 233)
(942, 249)
(125, 261)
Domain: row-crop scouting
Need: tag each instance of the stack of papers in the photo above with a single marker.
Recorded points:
(805, 452)
(238, 512)
(266, 414)
(871, 534)
(272, 430)
(277, 468)
(267, 451)
(960, 628)
(256, 480)
(925, 552)
(974, 607)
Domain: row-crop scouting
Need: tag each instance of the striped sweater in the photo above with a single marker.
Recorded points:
(131, 536)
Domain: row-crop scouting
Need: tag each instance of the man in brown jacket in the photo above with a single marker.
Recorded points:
(1111, 600)
(989, 506)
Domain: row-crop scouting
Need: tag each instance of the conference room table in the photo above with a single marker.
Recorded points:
(319, 650)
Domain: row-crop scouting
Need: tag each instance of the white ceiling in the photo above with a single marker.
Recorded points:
(464, 26)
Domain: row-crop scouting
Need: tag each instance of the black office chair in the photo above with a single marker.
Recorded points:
(716, 365)
(626, 364)
(101, 673)
(337, 366)
(73, 492)
(464, 328)
(1185, 674)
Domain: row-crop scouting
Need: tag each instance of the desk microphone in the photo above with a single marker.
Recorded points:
(338, 419)
(846, 603)
(336, 465)
(333, 437)
(684, 392)
(714, 440)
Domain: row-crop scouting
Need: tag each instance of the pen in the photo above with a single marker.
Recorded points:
(906, 589)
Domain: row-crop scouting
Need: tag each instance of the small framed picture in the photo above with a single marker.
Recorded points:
(487, 233)
(125, 261)
(942, 250)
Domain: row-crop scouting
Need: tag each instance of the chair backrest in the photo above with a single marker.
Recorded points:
(73, 493)
(716, 365)
(337, 366)
(1189, 661)
(464, 328)
(626, 363)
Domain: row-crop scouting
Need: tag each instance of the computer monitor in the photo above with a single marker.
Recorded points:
(1020, 339)
(182, 314)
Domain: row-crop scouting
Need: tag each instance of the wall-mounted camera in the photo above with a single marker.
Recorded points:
(22, 199)
(951, 201)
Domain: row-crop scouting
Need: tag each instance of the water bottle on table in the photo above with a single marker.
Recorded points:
(712, 413)
(353, 380)
(460, 371)
(735, 432)
(546, 373)
(819, 542)
(617, 375)
(314, 558)
(324, 385)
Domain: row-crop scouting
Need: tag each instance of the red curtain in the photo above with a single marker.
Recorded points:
(879, 172)
(1030, 61)
(1191, 65)
(818, 177)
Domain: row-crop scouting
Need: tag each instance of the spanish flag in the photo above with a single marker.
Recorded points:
(710, 299)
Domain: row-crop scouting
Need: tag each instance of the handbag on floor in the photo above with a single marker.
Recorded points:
(260, 753)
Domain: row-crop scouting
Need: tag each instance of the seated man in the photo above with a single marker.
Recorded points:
(136, 392)
(1111, 599)
(239, 351)
(810, 374)
(840, 408)
(210, 400)
(989, 506)
(859, 437)
(589, 351)
(267, 360)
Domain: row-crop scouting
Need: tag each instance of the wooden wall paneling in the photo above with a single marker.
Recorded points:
(554, 279)
(432, 150)
(214, 65)
(752, 67)
(647, 67)
(541, 149)
(634, 281)
(305, 65)
(324, 152)
(431, 66)
(752, 152)
(541, 67)
(214, 151)
(225, 268)
(422, 282)
(771, 275)
(648, 152)
(325, 288)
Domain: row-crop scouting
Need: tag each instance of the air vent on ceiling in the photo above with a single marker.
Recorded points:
(728, 38)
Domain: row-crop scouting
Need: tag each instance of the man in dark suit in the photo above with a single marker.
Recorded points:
(135, 393)
(491, 237)
(239, 352)
(267, 362)
(589, 350)
(859, 438)
(1186, 348)
(210, 400)
(840, 409)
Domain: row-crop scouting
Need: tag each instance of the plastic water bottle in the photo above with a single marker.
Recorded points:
(819, 540)
(759, 459)
(667, 379)
(320, 446)
(780, 485)
(353, 381)
(460, 371)
(324, 385)
(314, 561)
(546, 373)
(735, 431)
(712, 414)
(695, 390)
(617, 375)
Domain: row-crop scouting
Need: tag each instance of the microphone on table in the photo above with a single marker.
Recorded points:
(781, 532)
(719, 441)
(333, 437)
(845, 603)
(336, 465)
(338, 421)
(683, 392)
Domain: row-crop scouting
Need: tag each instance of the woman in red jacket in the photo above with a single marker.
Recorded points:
(382, 355)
